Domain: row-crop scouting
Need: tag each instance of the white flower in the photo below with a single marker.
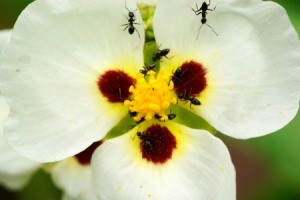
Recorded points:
(199, 167)
(73, 178)
(70, 67)
(70, 175)
(15, 170)
(252, 66)
(73, 175)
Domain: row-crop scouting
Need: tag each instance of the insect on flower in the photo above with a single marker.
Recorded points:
(131, 22)
(176, 75)
(191, 99)
(170, 116)
(203, 11)
(161, 53)
(145, 139)
(147, 68)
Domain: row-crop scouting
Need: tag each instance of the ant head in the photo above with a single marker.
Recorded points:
(203, 20)
(131, 14)
(165, 51)
(156, 116)
(132, 114)
(180, 95)
(171, 116)
(178, 71)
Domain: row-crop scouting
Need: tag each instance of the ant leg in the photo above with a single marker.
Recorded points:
(169, 57)
(126, 27)
(159, 47)
(137, 32)
(212, 9)
(212, 29)
(208, 3)
(197, 6)
(195, 11)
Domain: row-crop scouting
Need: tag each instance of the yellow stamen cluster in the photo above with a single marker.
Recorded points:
(151, 96)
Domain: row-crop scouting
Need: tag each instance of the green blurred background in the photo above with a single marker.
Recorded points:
(268, 168)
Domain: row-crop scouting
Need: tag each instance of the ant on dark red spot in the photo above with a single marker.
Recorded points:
(176, 75)
(131, 22)
(145, 139)
(203, 11)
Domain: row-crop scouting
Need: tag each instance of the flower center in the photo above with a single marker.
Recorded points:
(151, 96)
(84, 157)
(157, 144)
(189, 79)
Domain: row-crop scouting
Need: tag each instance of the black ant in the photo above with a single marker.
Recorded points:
(146, 68)
(145, 139)
(203, 11)
(131, 22)
(161, 53)
(176, 75)
(192, 99)
(171, 116)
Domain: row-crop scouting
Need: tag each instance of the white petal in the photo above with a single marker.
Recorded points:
(50, 70)
(15, 182)
(4, 39)
(67, 197)
(72, 178)
(15, 170)
(200, 168)
(253, 66)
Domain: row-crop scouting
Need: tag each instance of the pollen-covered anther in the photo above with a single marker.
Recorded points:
(151, 96)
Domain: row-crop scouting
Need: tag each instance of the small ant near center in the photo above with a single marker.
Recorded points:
(176, 75)
(145, 139)
(131, 22)
(161, 53)
(191, 99)
(147, 68)
(203, 11)
(171, 116)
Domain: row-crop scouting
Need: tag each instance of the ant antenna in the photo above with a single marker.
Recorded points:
(212, 29)
(130, 10)
(209, 27)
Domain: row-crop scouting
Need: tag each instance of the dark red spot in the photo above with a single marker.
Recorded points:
(192, 79)
(114, 85)
(84, 157)
(157, 144)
